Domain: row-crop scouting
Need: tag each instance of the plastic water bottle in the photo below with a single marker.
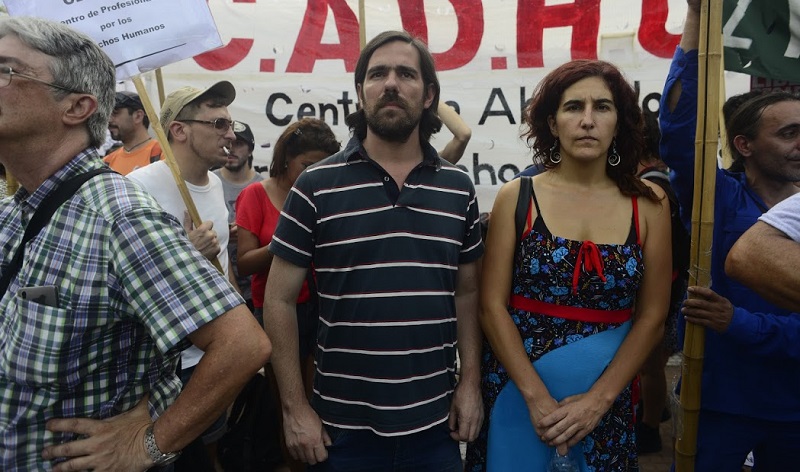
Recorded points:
(561, 463)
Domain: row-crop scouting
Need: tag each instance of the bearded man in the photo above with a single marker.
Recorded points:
(392, 231)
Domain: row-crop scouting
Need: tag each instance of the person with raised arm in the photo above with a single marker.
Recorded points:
(750, 390)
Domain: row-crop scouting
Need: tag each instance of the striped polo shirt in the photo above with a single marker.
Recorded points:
(386, 262)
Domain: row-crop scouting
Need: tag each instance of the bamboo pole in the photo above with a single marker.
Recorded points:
(706, 142)
(169, 158)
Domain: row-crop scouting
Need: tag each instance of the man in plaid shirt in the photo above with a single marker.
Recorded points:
(87, 373)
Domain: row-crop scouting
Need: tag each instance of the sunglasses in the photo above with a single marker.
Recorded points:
(219, 124)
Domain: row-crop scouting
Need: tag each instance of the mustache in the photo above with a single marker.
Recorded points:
(391, 97)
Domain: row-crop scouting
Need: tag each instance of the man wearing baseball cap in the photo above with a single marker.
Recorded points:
(237, 174)
(128, 123)
(200, 132)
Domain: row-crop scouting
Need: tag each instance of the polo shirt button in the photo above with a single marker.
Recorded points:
(386, 179)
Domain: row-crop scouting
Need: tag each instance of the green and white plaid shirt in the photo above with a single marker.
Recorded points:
(130, 289)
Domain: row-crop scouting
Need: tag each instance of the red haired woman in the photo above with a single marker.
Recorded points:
(557, 300)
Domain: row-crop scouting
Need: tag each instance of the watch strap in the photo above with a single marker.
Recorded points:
(159, 458)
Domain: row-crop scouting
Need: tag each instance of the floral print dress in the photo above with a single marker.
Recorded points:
(559, 271)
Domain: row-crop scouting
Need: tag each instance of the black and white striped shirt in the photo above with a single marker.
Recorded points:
(386, 263)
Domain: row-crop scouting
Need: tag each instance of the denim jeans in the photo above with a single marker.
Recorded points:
(359, 450)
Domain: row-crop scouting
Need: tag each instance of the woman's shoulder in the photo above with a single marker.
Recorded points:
(655, 215)
(509, 191)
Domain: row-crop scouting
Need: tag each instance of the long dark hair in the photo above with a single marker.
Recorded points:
(630, 124)
(430, 122)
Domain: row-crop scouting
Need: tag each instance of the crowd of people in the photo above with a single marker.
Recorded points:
(360, 279)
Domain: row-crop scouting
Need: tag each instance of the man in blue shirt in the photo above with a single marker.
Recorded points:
(751, 373)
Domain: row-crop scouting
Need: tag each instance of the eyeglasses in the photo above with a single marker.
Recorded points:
(7, 72)
(219, 124)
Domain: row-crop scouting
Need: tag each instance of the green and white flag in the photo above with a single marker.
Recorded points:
(762, 37)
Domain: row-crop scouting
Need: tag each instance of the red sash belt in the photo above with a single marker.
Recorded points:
(570, 312)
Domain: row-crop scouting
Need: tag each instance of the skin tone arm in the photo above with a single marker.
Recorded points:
(455, 148)
(233, 345)
(578, 415)
(466, 410)
(251, 256)
(690, 40)
(767, 261)
(497, 325)
(305, 435)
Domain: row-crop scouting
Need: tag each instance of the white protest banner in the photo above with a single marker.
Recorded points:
(138, 35)
(294, 58)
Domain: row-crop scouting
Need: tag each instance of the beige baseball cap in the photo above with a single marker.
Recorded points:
(177, 100)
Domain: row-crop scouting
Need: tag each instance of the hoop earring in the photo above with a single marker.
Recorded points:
(555, 155)
(613, 156)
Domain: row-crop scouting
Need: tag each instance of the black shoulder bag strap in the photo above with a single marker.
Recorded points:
(41, 217)
(523, 204)
(521, 213)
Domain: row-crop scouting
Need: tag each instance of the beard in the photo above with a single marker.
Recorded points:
(115, 134)
(395, 128)
(238, 165)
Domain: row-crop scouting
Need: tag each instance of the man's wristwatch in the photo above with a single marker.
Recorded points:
(159, 458)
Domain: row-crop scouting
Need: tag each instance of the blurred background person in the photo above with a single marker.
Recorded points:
(258, 207)
(454, 149)
(235, 175)
(128, 123)
(653, 379)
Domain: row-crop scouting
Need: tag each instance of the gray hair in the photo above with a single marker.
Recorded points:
(77, 63)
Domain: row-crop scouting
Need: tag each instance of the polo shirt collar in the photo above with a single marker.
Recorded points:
(355, 152)
(82, 162)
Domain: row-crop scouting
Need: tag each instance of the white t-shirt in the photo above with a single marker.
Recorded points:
(209, 199)
(785, 216)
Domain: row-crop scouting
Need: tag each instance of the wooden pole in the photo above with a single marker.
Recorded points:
(362, 25)
(160, 87)
(708, 104)
(169, 158)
